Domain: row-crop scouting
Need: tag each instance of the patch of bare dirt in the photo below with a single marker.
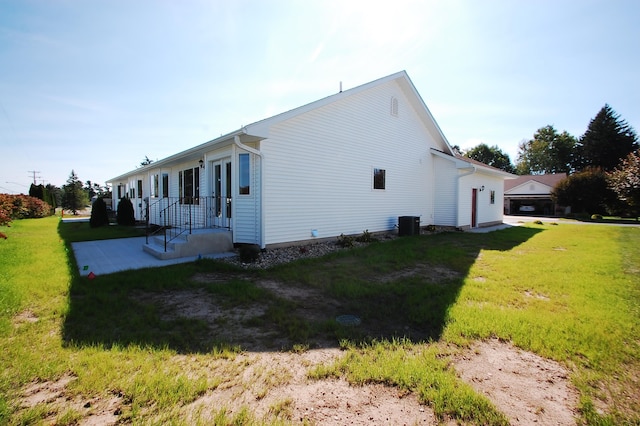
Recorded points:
(310, 303)
(97, 411)
(25, 317)
(525, 387)
(536, 295)
(434, 273)
(275, 385)
(226, 324)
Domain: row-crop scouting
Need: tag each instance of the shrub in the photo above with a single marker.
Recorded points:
(596, 217)
(22, 207)
(125, 214)
(249, 253)
(345, 241)
(585, 191)
(99, 215)
(5, 209)
(366, 237)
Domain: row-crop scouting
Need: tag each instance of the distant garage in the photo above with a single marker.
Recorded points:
(531, 195)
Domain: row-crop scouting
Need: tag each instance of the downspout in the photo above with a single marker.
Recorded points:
(473, 170)
(236, 141)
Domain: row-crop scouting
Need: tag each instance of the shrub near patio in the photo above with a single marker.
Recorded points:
(568, 293)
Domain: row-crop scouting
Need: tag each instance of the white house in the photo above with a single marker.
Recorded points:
(356, 160)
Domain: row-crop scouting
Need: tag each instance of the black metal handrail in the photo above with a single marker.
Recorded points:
(175, 216)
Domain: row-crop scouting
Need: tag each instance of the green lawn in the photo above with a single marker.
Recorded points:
(570, 293)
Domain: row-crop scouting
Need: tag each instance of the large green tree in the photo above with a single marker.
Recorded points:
(606, 142)
(74, 197)
(492, 156)
(548, 152)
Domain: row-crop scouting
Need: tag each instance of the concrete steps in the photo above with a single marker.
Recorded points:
(199, 242)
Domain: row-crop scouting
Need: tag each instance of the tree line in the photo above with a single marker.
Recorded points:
(602, 166)
(74, 196)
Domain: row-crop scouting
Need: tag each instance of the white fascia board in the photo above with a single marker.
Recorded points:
(423, 111)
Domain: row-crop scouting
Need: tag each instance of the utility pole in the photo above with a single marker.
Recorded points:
(33, 173)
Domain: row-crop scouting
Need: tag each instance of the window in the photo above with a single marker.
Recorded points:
(189, 182)
(244, 181)
(379, 179)
(493, 197)
(154, 187)
(140, 188)
(165, 185)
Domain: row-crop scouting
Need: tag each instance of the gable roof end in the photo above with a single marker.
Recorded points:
(261, 128)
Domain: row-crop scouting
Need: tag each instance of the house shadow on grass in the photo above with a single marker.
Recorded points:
(400, 288)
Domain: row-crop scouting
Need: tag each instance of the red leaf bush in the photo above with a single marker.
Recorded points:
(14, 207)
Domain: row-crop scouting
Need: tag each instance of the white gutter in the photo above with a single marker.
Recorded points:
(236, 140)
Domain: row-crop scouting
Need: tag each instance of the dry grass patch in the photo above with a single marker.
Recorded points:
(276, 387)
(53, 402)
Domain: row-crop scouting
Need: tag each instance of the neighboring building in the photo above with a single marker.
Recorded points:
(354, 161)
(531, 195)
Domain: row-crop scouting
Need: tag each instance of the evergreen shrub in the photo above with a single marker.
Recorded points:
(99, 215)
(249, 253)
(125, 215)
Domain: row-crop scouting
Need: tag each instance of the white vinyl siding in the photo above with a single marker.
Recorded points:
(445, 200)
(319, 168)
(247, 206)
(486, 212)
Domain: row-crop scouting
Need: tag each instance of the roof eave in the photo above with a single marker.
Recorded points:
(188, 154)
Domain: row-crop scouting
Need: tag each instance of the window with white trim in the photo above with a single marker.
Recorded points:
(244, 174)
(189, 185)
(165, 185)
(154, 186)
(379, 178)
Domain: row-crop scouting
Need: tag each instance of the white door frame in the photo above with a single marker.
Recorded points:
(221, 192)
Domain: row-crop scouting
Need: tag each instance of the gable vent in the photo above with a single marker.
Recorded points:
(394, 106)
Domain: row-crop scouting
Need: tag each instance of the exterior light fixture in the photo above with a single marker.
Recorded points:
(201, 162)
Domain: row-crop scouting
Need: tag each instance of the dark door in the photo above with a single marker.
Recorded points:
(474, 207)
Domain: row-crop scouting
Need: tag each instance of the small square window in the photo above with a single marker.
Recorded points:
(379, 179)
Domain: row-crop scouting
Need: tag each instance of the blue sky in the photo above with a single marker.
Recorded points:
(95, 86)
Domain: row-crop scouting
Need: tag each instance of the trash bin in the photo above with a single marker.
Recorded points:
(408, 225)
